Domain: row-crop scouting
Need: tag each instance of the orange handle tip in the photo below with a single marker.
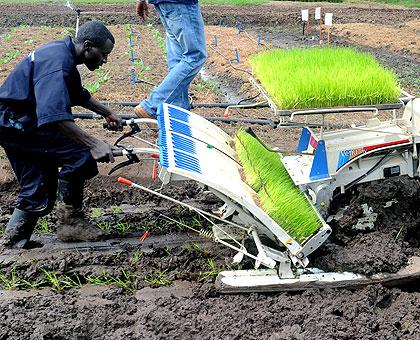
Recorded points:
(124, 181)
(144, 236)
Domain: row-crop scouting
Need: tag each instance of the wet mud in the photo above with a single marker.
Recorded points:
(162, 290)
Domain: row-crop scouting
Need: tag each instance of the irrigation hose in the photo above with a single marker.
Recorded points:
(230, 61)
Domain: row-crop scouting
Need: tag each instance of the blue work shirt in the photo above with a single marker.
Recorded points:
(42, 88)
(155, 2)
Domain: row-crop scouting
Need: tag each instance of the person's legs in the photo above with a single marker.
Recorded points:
(184, 25)
(37, 177)
(77, 166)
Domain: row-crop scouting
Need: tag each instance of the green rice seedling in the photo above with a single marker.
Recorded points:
(99, 280)
(277, 194)
(105, 226)
(324, 77)
(127, 280)
(158, 278)
(137, 256)
(198, 248)
(11, 281)
(53, 280)
(212, 272)
(123, 226)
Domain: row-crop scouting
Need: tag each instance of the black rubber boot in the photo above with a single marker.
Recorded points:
(19, 229)
(72, 224)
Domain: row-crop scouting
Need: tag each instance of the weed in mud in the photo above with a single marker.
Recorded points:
(29, 42)
(96, 212)
(9, 56)
(137, 256)
(158, 278)
(211, 273)
(3, 155)
(43, 226)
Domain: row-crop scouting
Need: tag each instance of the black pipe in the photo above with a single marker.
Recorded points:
(194, 105)
(263, 121)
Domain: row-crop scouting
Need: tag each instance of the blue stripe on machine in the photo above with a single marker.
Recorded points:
(186, 162)
(180, 127)
(184, 144)
(178, 114)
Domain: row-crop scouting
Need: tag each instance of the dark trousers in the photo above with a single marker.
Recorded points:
(41, 158)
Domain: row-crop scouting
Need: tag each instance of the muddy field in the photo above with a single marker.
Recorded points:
(163, 288)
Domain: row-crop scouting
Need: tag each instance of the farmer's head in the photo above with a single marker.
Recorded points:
(94, 42)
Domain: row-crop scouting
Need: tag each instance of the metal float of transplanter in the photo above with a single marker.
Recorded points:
(192, 148)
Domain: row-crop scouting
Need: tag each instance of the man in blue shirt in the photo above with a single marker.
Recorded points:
(46, 149)
(185, 49)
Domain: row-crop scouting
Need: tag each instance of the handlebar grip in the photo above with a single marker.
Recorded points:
(123, 123)
(117, 153)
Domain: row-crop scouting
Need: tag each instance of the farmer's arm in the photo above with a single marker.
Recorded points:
(114, 122)
(101, 151)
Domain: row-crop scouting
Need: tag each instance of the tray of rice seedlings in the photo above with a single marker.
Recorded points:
(276, 193)
(324, 77)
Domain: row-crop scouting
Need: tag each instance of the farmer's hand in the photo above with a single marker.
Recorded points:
(142, 9)
(114, 122)
(102, 152)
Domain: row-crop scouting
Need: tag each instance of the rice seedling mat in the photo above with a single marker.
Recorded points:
(318, 78)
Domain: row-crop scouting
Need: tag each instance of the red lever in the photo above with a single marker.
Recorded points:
(124, 181)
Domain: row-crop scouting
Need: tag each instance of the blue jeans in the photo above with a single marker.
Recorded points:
(186, 52)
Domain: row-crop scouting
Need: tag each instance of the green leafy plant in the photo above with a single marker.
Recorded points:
(277, 194)
(43, 226)
(96, 212)
(9, 56)
(116, 209)
(160, 40)
(141, 69)
(324, 77)
(102, 77)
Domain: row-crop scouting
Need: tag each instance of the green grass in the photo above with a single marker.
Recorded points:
(406, 3)
(277, 194)
(324, 77)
